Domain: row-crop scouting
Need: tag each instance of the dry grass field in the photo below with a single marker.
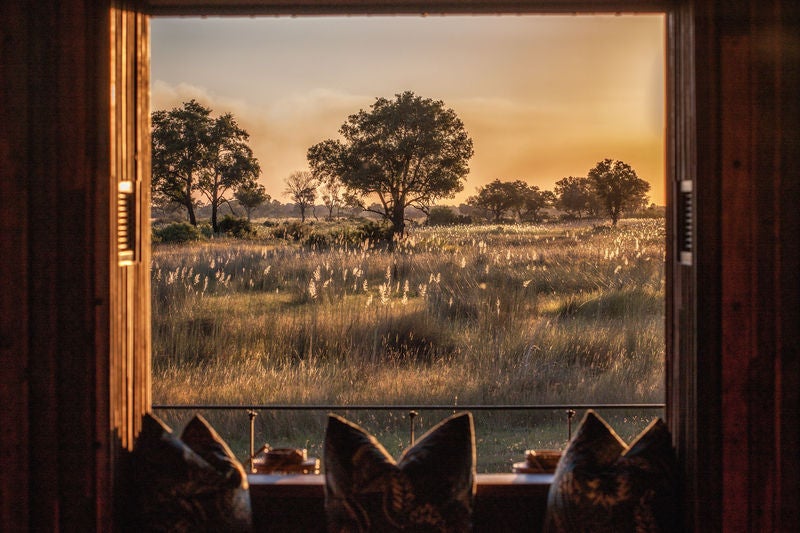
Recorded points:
(556, 313)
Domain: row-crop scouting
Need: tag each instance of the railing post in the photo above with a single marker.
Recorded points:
(252, 415)
(570, 416)
(411, 416)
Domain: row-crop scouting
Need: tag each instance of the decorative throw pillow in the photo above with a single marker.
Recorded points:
(431, 488)
(604, 486)
(190, 484)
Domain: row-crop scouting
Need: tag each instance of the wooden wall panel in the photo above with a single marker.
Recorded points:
(738, 304)
(690, 388)
(63, 163)
(748, 134)
(64, 436)
(14, 312)
(785, 43)
(129, 290)
(773, 378)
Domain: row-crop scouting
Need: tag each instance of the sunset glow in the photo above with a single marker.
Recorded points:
(543, 97)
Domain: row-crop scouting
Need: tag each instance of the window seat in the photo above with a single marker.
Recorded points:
(504, 502)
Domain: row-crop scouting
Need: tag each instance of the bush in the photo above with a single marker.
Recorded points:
(292, 230)
(206, 230)
(652, 211)
(236, 227)
(444, 216)
(375, 231)
(176, 232)
(325, 235)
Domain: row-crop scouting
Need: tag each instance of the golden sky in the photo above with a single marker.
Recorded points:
(543, 97)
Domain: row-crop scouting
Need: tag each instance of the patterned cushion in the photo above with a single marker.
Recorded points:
(190, 484)
(602, 485)
(431, 488)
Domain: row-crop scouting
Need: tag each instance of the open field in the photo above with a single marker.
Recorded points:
(555, 313)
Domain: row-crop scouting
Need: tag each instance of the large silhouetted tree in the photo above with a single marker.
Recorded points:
(196, 154)
(229, 164)
(617, 187)
(407, 152)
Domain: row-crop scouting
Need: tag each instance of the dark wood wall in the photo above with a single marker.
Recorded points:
(54, 309)
(747, 68)
(74, 331)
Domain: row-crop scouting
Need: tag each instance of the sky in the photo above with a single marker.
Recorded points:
(543, 97)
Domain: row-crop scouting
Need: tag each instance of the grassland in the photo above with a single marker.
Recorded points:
(555, 313)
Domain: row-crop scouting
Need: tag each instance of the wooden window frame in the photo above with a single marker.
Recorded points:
(685, 392)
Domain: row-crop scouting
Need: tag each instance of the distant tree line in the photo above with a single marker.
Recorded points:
(609, 189)
(407, 153)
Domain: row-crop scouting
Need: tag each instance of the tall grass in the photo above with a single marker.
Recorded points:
(557, 313)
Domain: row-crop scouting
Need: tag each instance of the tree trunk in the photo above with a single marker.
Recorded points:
(214, 216)
(190, 210)
(188, 204)
(398, 219)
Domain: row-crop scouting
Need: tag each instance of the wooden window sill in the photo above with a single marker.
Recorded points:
(503, 502)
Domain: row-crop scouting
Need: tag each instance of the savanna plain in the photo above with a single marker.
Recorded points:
(558, 313)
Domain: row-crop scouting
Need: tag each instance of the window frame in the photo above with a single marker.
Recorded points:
(685, 391)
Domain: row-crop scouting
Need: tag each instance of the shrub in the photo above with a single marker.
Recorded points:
(652, 211)
(442, 216)
(206, 230)
(236, 227)
(176, 232)
(292, 230)
(375, 231)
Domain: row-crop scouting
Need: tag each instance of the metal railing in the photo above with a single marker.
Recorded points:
(412, 410)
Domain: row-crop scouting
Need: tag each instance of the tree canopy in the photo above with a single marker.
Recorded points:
(195, 155)
(617, 187)
(524, 201)
(530, 200)
(496, 198)
(575, 196)
(407, 152)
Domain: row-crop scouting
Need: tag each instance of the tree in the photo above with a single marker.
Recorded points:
(495, 198)
(331, 192)
(194, 154)
(618, 187)
(251, 196)
(407, 152)
(530, 200)
(301, 186)
(574, 195)
(230, 164)
(179, 138)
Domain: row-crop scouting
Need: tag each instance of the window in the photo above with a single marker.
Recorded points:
(479, 291)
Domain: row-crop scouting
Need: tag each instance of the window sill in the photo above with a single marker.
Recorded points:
(503, 502)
